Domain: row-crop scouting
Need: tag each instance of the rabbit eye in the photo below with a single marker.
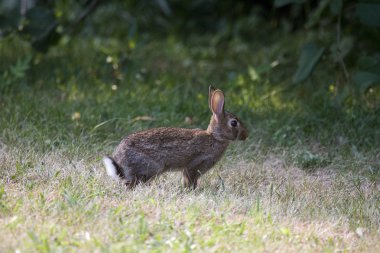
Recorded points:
(233, 123)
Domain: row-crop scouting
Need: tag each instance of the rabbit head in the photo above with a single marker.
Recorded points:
(224, 126)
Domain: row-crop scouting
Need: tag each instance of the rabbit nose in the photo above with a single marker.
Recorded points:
(243, 135)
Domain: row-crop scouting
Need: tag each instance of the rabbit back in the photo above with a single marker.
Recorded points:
(156, 150)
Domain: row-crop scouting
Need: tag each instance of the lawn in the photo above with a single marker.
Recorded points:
(306, 179)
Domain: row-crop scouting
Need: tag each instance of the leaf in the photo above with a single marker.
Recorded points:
(41, 26)
(39, 20)
(142, 118)
(49, 38)
(368, 13)
(280, 3)
(253, 74)
(365, 62)
(369, 63)
(19, 70)
(316, 15)
(308, 60)
(339, 51)
(365, 80)
(9, 16)
(336, 6)
(164, 6)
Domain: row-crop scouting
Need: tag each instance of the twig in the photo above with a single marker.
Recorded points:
(338, 40)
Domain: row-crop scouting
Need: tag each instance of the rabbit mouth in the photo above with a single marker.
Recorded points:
(242, 135)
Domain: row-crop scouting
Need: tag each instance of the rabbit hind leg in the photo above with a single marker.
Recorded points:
(143, 168)
(137, 178)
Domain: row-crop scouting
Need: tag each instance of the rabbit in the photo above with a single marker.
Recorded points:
(146, 154)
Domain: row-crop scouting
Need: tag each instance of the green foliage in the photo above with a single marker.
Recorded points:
(339, 50)
(41, 26)
(309, 57)
(367, 74)
(327, 25)
(339, 19)
(281, 3)
(15, 75)
(43, 23)
(9, 16)
(365, 80)
(309, 161)
(368, 13)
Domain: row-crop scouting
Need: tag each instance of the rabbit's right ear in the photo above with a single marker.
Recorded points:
(217, 105)
(211, 90)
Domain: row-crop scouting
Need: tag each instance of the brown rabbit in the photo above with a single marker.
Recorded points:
(143, 155)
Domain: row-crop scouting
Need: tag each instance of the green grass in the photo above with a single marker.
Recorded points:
(306, 180)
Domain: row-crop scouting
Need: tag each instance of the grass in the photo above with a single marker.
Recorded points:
(51, 203)
(307, 179)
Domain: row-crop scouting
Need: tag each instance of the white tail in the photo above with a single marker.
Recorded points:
(110, 167)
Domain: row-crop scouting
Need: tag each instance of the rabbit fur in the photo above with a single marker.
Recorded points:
(146, 154)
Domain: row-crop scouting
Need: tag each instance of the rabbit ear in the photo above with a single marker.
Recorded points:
(211, 90)
(217, 104)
